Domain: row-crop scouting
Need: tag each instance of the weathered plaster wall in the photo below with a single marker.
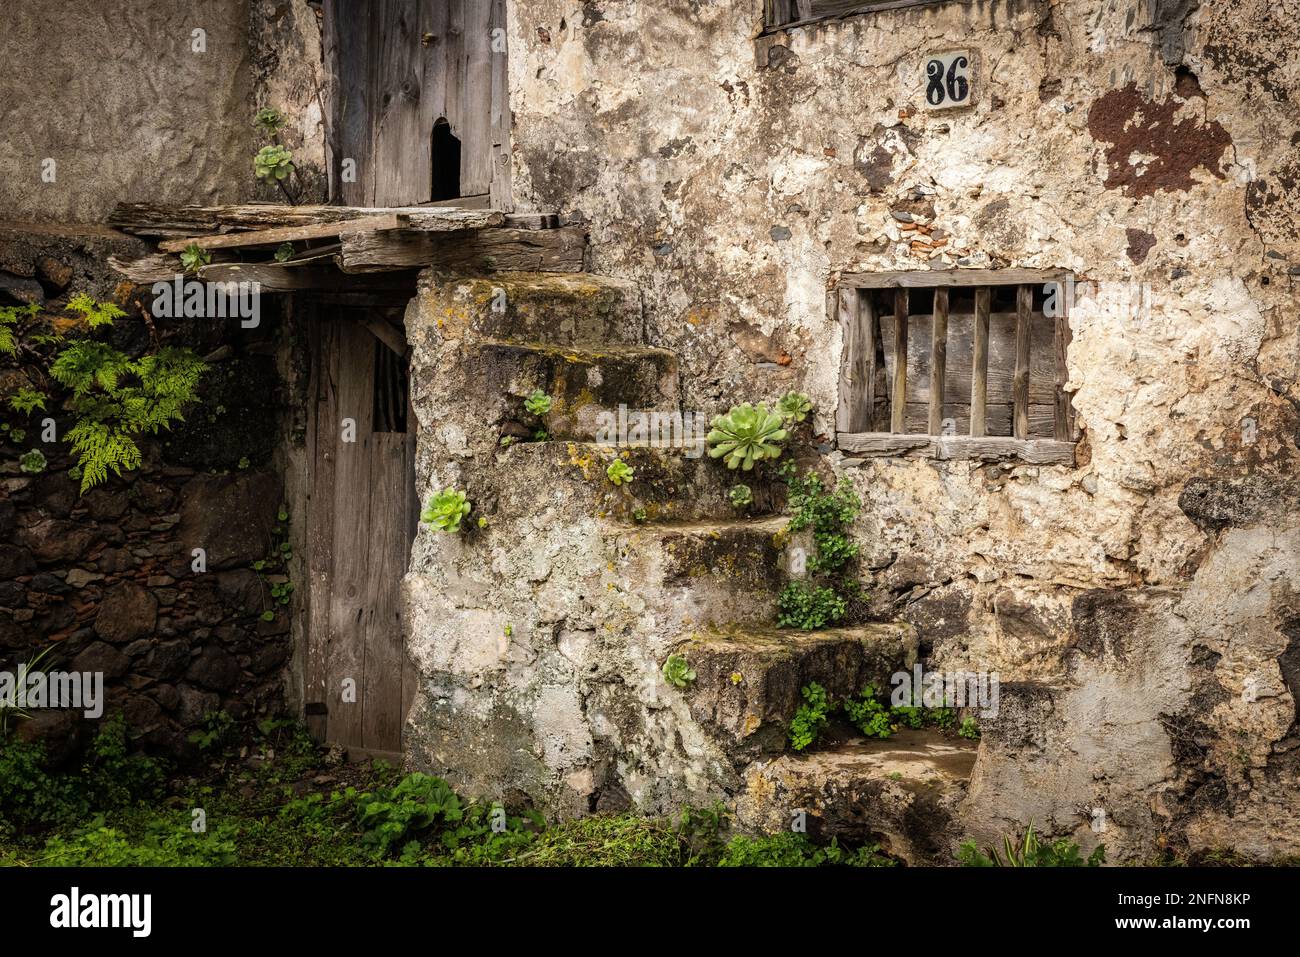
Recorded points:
(1133, 596)
(114, 93)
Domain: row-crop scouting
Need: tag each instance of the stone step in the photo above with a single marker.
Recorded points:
(554, 308)
(587, 387)
(749, 680)
(902, 792)
(668, 484)
(703, 573)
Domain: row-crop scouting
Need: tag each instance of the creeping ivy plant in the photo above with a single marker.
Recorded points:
(445, 510)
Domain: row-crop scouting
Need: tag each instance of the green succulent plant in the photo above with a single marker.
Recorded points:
(284, 252)
(741, 496)
(269, 119)
(273, 163)
(794, 406)
(678, 672)
(445, 510)
(745, 435)
(538, 402)
(33, 463)
(195, 257)
(619, 472)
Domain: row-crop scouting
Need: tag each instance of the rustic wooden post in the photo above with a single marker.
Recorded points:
(1020, 382)
(1064, 415)
(898, 401)
(979, 379)
(938, 358)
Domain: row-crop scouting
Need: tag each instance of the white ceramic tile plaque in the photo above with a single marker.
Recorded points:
(947, 78)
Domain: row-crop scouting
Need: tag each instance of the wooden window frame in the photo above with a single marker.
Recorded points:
(781, 15)
(858, 420)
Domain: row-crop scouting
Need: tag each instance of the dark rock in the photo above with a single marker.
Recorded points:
(195, 705)
(143, 714)
(229, 516)
(167, 696)
(12, 595)
(1215, 504)
(214, 669)
(57, 729)
(127, 612)
(15, 561)
(104, 658)
(241, 590)
(269, 657)
(45, 582)
(106, 504)
(168, 659)
(58, 540)
(153, 497)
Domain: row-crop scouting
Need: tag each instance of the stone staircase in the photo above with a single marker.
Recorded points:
(540, 637)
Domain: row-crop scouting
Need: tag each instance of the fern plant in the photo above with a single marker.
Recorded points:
(115, 397)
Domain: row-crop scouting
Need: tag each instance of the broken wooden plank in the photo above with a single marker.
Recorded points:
(491, 250)
(1064, 419)
(927, 278)
(1020, 379)
(158, 267)
(957, 447)
(154, 219)
(287, 277)
(283, 234)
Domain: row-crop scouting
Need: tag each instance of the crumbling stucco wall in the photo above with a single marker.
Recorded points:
(118, 95)
(1144, 601)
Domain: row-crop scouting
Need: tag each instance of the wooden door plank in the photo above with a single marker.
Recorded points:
(385, 649)
(501, 172)
(434, 26)
(476, 101)
(1020, 382)
(322, 436)
(351, 113)
(938, 359)
(898, 398)
(403, 165)
(350, 605)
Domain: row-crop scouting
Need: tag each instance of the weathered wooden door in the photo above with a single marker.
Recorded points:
(419, 107)
(362, 515)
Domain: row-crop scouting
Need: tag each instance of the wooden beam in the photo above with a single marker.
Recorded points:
(926, 278)
(856, 400)
(159, 267)
(486, 250)
(898, 398)
(1020, 381)
(1064, 421)
(156, 219)
(284, 234)
(979, 380)
(280, 277)
(957, 447)
(386, 333)
(938, 359)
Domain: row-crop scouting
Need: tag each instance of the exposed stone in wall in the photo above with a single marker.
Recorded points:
(105, 580)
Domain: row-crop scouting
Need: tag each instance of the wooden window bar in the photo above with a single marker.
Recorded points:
(876, 370)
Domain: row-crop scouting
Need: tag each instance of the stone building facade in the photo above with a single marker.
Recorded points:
(1138, 604)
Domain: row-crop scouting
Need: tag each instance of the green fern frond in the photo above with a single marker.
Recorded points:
(7, 344)
(26, 400)
(94, 314)
(100, 447)
(85, 364)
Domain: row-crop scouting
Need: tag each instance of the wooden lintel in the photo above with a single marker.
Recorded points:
(926, 278)
(283, 234)
(957, 447)
(154, 219)
(485, 250)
